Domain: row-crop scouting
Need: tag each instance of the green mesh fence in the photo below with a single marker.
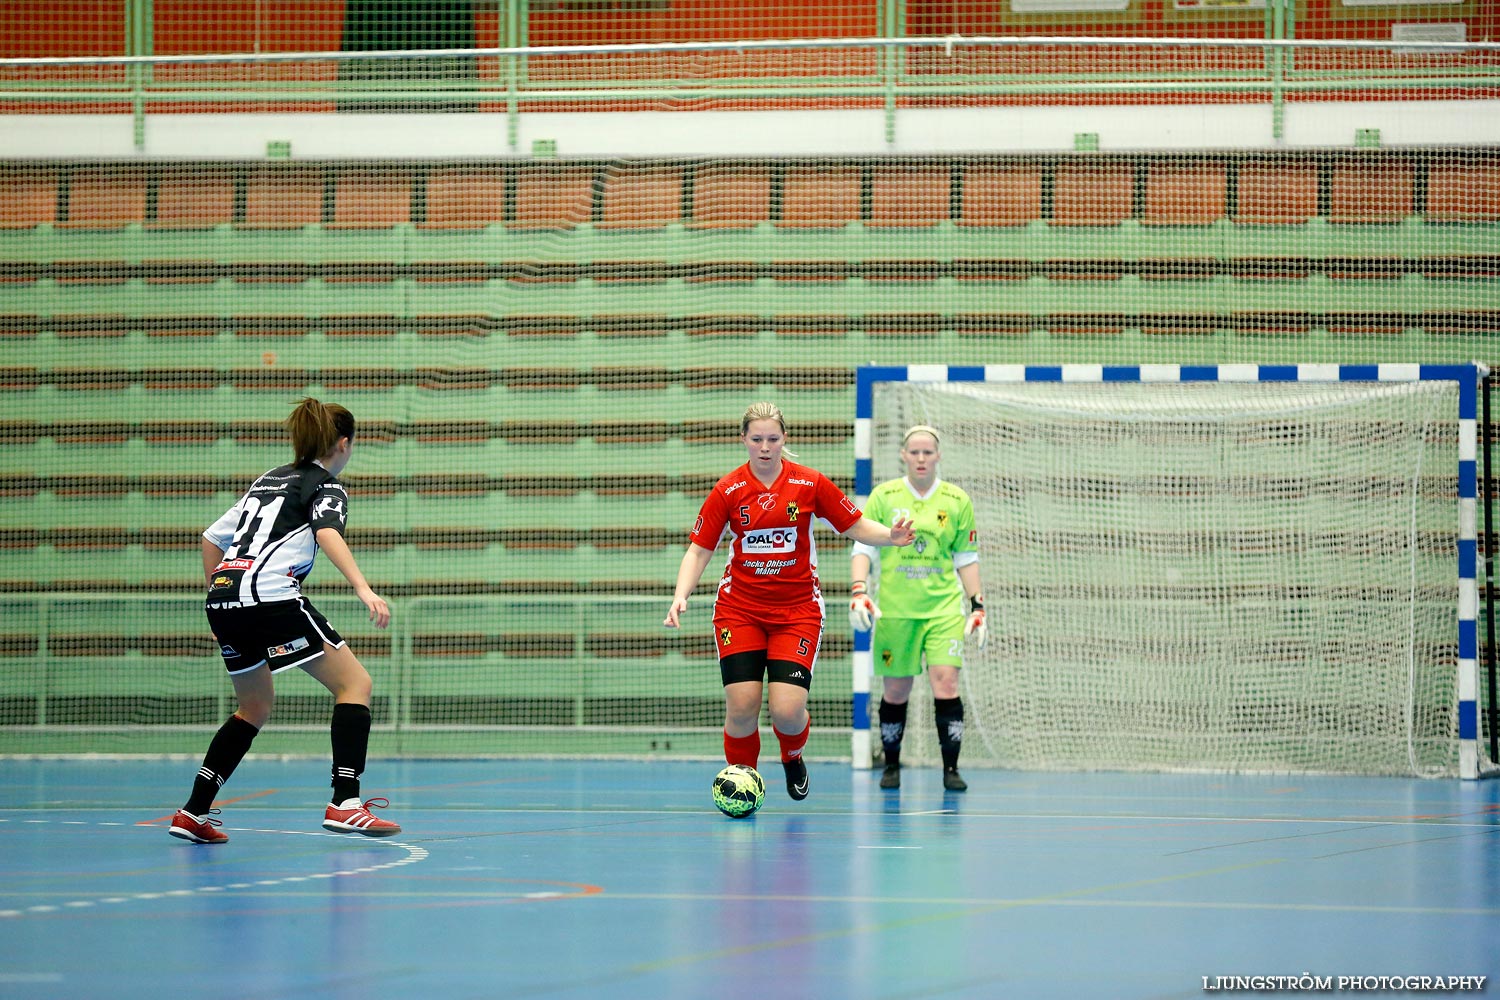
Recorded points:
(548, 354)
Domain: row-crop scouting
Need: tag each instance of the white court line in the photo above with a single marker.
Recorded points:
(414, 854)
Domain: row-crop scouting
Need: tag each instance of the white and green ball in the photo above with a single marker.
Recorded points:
(738, 790)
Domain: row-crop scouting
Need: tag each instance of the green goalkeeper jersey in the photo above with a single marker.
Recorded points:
(918, 580)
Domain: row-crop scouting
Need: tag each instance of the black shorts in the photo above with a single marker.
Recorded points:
(283, 634)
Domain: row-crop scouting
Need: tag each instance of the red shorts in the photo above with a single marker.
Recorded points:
(791, 642)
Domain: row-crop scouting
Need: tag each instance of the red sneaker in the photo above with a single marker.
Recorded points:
(352, 817)
(200, 831)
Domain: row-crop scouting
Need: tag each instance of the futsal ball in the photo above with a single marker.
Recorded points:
(738, 790)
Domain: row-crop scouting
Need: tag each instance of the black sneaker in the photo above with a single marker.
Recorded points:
(891, 776)
(796, 778)
(953, 781)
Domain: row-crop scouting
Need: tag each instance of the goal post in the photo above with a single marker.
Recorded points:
(1232, 567)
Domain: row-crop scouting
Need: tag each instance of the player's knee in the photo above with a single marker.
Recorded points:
(896, 690)
(359, 689)
(944, 681)
(740, 708)
(255, 710)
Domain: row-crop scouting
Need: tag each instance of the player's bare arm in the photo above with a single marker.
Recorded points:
(337, 550)
(874, 533)
(694, 561)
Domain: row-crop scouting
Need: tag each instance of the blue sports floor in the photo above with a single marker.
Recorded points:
(565, 879)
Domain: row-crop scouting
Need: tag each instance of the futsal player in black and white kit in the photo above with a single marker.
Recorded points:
(255, 558)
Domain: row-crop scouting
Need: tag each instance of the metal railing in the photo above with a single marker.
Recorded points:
(885, 72)
(43, 661)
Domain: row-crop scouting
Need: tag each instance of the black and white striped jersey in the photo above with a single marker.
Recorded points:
(269, 536)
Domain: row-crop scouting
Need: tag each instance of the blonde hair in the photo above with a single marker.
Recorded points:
(765, 411)
(921, 429)
(316, 428)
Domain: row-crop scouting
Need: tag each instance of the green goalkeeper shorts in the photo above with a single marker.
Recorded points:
(904, 647)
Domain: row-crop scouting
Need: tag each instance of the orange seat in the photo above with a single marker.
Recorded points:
(554, 197)
(1001, 195)
(1463, 192)
(371, 197)
(281, 196)
(1379, 190)
(642, 197)
(903, 196)
(106, 197)
(731, 197)
(820, 197)
(465, 198)
(1092, 194)
(1277, 192)
(1185, 194)
(194, 198)
(30, 196)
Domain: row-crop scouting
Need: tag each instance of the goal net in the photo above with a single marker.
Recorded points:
(1246, 568)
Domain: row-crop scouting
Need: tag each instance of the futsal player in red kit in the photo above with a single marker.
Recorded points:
(768, 613)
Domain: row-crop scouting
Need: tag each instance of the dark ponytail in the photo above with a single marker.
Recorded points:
(316, 428)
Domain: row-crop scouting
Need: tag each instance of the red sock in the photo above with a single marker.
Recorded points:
(791, 746)
(742, 749)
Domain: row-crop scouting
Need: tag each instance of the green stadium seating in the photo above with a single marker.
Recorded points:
(548, 339)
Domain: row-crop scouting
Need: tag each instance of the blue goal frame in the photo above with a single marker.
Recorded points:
(1466, 376)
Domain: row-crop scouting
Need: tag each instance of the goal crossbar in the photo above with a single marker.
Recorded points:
(1466, 377)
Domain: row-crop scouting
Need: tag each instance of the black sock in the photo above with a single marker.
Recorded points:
(225, 751)
(892, 729)
(350, 735)
(949, 714)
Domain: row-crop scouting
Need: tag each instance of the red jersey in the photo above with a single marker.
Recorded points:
(773, 560)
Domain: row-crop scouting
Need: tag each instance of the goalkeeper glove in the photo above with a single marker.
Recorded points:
(862, 610)
(975, 625)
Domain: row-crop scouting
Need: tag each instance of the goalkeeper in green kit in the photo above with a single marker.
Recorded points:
(922, 590)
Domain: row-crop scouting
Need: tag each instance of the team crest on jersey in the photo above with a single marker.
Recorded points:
(724, 635)
(942, 518)
(792, 511)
